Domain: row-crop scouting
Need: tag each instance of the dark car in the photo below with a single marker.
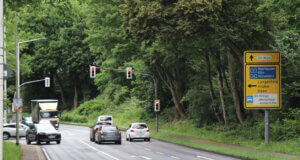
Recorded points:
(43, 132)
(27, 121)
(94, 128)
(108, 133)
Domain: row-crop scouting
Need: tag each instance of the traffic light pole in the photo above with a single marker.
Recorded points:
(17, 77)
(155, 93)
(1, 77)
(155, 85)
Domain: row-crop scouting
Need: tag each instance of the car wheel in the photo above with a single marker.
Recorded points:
(48, 142)
(58, 142)
(148, 139)
(130, 139)
(27, 140)
(38, 142)
(6, 136)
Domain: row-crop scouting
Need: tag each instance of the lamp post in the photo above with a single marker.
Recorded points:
(18, 82)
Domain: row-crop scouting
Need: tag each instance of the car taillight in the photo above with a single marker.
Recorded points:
(132, 130)
(101, 133)
(148, 130)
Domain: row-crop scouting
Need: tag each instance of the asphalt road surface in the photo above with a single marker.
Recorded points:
(75, 145)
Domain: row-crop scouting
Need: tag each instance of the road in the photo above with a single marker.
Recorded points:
(75, 145)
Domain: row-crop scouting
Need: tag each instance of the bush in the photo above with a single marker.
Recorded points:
(69, 117)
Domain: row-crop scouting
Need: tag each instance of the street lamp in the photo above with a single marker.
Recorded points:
(18, 82)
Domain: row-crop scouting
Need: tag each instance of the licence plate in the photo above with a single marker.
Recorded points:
(52, 137)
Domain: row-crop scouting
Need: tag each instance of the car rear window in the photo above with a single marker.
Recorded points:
(140, 126)
(109, 128)
(105, 119)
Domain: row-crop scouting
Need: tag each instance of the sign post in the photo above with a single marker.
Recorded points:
(262, 83)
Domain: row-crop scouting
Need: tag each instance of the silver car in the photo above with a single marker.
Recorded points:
(9, 130)
(108, 133)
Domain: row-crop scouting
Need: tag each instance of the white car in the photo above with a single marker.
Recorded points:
(9, 130)
(105, 118)
(138, 131)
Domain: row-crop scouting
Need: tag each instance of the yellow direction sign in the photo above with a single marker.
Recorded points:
(262, 57)
(262, 80)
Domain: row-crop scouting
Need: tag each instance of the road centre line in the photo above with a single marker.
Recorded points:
(99, 151)
(147, 149)
(145, 157)
(174, 157)
(205, 158)
(46, 153)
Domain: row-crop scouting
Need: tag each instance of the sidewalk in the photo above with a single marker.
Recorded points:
(31, 152)
(232, 146)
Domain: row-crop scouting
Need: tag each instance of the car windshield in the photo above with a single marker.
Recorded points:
(45, 128)
(49, 115)
(28, 118)
(109, 128)
(139, 126)
(105, 119)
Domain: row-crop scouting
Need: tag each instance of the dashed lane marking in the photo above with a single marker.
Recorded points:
(145, 157)
(99, 151)
(174, 157)
(205, 158)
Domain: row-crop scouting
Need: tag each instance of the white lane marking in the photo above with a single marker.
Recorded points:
(145, 157)
(99, 150)
(159, 153)
(46, 154)
(205, 158)
(148, 149)
(174, 157)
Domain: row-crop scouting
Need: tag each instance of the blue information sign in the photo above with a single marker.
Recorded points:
(262, 72)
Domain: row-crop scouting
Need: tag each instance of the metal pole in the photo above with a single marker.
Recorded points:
(5, 80)
(17, 77)
(1, 78)
(267, 125)
(155, 92)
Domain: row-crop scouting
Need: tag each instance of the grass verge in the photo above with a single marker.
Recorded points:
(11, 151)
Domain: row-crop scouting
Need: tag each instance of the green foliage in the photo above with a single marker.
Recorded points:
(71, 117)
(11, 151)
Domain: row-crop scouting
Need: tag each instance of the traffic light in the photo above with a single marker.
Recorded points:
(92, 71)
(129, 72)
(47, 82)
(156, 105)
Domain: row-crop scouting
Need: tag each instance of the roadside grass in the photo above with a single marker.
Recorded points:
(11, 151)
(218, 149)
(184, 128)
